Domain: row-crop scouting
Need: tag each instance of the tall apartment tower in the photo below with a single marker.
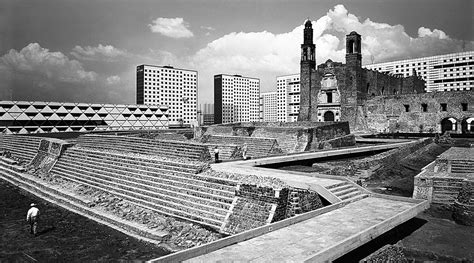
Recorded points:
(166, 85)
(236, 98)
(447, 72)
(307, 67)
(288, 98)
(269, 106)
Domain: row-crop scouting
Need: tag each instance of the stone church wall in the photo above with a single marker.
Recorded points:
(405, 113)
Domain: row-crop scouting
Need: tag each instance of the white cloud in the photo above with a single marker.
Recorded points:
(35, 60)
(426, 32)
(171, 27)
(101, 52)
(112, 80)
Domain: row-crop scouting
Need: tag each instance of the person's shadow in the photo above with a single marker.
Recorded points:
(46, 230)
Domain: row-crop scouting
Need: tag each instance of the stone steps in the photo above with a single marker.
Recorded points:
(152, 192)
(23, 147)
(256, 147)
(166, 165)
(153, 170)
(346, 191)
(165, 208)
(130, 178)
(179, 149)
(79, 206)
(157, 186)
(160, 177)
(462, 166)
(133, 148)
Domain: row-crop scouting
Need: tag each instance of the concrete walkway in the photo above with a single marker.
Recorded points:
(324, 237)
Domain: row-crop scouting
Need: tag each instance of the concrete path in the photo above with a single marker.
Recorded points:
(324, 237)
(325, 153)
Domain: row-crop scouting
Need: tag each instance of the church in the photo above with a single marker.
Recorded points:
(373, 101)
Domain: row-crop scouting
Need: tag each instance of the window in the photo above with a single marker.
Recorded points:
(407, 108)
(424, 107)
(464, 106)
(444, 107)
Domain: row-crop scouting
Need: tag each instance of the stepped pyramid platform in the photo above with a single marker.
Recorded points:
(440, 181)
(21, 147)
(167, 148)
(171, 188)
(256, 147)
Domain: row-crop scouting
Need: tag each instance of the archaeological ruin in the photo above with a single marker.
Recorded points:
(165, 187)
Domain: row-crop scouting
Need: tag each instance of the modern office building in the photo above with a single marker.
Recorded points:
(288, 97)
(269, 106)
(236, 98)
(37, 117)
(442, 73)
(166, 85)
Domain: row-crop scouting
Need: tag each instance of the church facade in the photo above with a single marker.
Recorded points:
(373, 101)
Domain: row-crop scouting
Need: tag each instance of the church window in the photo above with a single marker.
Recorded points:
(444, 106)
(424, 107)
(407, 108)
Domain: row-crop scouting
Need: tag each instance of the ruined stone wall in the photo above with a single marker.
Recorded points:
(393, 156)
(347, 140)
(256, 206)
(291, 137)
(389, 113)
(331, 131)
(379, 84)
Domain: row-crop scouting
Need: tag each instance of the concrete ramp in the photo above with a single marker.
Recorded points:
(323, 237)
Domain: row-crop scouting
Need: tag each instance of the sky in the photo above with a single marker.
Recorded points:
(87, 51)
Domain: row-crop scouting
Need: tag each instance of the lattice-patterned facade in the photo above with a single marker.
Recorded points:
(38, 117)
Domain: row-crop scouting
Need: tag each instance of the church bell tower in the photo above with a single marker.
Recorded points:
(307, 67)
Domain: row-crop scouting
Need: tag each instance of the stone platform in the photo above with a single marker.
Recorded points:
(323, 237)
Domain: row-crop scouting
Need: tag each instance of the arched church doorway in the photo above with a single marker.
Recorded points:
(328, 116)
(448, 124)
(467, 125)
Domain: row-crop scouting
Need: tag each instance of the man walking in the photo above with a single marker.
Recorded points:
(32, 218)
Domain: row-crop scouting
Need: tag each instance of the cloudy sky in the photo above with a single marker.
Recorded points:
(87, 51)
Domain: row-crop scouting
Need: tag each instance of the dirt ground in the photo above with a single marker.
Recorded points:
(63, 236)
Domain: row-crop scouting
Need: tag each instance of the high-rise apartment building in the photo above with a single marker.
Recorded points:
(269, 106)
(288, 97)
(236, 98)
(166, 85)
(442, 73)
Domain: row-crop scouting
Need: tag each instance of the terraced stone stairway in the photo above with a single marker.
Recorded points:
(347, 191)
(178, 149)
(22, 147)
(256, 147)
(462, 166)
(171, 188)
(445, 190)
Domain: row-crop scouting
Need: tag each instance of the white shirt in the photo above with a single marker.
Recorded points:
(32, 212)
